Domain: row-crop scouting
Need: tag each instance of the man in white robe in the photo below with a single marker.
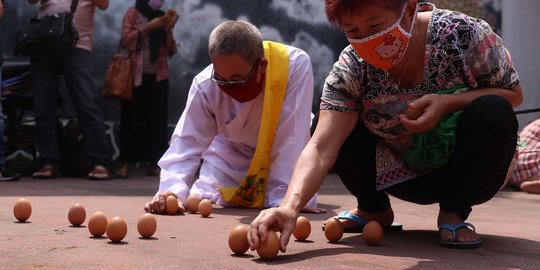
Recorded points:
(219, 126)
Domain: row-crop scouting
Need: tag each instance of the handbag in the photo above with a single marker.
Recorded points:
(120, 76)
(47, 34)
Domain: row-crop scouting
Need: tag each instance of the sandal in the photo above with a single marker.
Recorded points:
(453, 229)
(46, 172)
(361, 222)
(100, 173)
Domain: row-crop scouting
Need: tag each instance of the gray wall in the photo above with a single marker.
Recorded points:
(301, 23)
(522, 37)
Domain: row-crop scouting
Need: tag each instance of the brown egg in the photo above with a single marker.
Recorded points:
(22, 209)
(116, 229)
(333, 230)
(192, 203)
(372, 233)
(269, 249)
(171, 205)
(302, 229)
(76, 214)
(97, 224)
(205, 208)
(147, 225)
(412, 113)
(238, 241)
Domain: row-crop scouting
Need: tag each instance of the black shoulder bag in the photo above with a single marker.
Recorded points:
(51, 33)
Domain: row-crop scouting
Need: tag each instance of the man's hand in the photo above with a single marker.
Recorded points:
(158, 204)
(1, 9)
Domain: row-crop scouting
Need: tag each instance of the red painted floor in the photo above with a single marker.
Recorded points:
(509, 225)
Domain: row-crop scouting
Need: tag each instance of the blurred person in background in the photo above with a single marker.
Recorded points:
(75, 65)
(148, 35)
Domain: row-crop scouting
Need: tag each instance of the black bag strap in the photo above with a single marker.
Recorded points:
(74, 4)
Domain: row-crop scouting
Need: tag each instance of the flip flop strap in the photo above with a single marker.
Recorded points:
(453, 228)
(345, 215)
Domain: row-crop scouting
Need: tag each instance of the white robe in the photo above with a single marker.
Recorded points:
(223, 133)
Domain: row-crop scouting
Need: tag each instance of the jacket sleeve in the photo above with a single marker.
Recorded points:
(130, 29)
(193, 134)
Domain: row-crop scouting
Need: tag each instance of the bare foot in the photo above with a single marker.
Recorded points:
(122, 171)
(384, 218)
(46, 172)
(100, 173)
(463, 234)
(532, 186)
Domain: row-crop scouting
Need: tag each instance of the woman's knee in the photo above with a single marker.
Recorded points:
(491, 112)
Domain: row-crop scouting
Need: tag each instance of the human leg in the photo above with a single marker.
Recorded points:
(5, 173)
(485, 143)
(156, 125)
(45, 73)
(78, 73)
(208, 182)
(355, 165)
(132, 128)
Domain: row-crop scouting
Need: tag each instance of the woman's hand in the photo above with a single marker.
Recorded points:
(432, 108)
(155, 23)
(158, 204)
(282, 219)
(101, 4)
(173, 21)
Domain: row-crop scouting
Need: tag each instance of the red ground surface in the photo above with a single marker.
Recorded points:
(509, 225)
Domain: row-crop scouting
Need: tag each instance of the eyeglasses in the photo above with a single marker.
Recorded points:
(221, 82)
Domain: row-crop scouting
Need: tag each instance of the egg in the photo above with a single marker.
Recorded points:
(205, 208)
(302, 229)
(269, 249)
(333, 230)
(22, 209)
(372, 233)
(413, 113)
(146, 226)
(171, 205)
(238, 240)
(192, 203)
(116, 229)
(76, 214)
(97, 224)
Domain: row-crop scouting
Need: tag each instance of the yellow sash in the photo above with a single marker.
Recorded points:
(251, 192)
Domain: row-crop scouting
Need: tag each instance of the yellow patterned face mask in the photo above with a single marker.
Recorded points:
(251, 192)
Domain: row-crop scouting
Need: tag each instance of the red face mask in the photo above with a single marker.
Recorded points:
(242, 91)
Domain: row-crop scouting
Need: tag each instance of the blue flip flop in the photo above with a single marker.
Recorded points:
(361, 222)
(458, 245)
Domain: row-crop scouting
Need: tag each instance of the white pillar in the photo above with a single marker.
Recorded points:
(521, 35)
